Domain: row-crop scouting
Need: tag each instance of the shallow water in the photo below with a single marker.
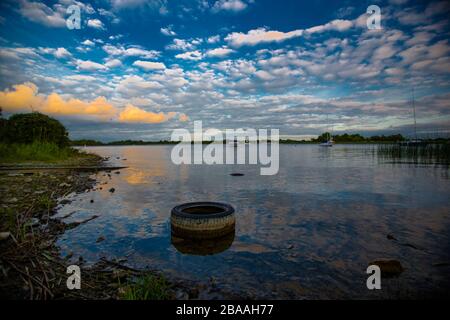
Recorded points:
(307, 232)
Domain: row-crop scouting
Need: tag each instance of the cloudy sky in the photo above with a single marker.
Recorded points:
(139, 69)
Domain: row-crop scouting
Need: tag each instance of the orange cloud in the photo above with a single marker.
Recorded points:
(135, 114)
(24, 97)
(183, 117)
(98, 107)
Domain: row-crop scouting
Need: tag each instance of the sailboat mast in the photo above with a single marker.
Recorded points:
(414, 111)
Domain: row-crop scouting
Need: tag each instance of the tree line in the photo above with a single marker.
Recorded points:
(359, 138)
(28, 128)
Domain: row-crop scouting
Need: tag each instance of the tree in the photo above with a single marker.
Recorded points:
(324, 137)
(35, 126)
(3, 127)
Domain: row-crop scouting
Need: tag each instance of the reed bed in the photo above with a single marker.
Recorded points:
(424, 153)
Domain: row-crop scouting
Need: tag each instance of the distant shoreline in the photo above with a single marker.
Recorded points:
(149, 143)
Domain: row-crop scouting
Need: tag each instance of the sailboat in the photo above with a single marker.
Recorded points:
(329, 142)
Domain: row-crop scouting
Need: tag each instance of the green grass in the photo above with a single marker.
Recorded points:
(148, 287)
(35, 152)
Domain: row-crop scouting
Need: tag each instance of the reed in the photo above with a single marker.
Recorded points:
(429, 153)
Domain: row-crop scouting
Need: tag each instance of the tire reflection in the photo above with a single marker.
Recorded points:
(202, 247)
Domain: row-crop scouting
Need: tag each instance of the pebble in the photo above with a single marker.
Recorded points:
(62, 185)
(181, 295)
(112, 190)
(4, 235)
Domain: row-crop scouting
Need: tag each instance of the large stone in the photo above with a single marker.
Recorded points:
(4, 235)
(389, 268)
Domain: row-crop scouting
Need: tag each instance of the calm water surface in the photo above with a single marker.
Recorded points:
(307, 232)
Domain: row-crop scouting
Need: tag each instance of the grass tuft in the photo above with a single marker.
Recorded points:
(148, 287)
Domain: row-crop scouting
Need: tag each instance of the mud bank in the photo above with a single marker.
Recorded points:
(31, 266)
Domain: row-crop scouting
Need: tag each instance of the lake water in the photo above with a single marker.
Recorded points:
(308, 232)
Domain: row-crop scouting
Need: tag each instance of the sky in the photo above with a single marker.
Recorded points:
(140, 69)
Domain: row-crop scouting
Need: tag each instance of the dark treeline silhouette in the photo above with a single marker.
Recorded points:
(359, 138)
(90, 142)
(34, 127)
(27, 128)
(344, 138)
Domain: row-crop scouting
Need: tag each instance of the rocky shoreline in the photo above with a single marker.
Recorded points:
(31, 266)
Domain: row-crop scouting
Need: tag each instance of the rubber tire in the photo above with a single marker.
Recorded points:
(202, 225)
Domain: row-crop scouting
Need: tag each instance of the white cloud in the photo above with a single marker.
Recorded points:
(113, 18)
(58, 52)
(336, 25)
(213, 39)
(83, 49)
(88, 42)
(96, 24)
(156, 5)
(132, 51)
(149, 65)
(116, 37)
(191, 55)
(120, 4)
(113, 63)
(260, 35)
(167, 31)
(264, 75)
(219, 52)
(40, 13)
(184, 45)
(411, 18)
(229, 5)
(62, 53)
(384, 52)
(79, 77)
(136, 86)
(89, 65)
